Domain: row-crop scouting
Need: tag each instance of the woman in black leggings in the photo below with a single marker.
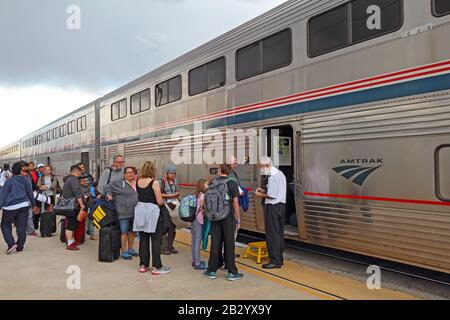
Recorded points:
(148, 220)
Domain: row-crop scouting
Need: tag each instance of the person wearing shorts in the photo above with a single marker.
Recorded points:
(123, 193)
(72, 190)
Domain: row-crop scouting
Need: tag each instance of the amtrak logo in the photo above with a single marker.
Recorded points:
(355, 173)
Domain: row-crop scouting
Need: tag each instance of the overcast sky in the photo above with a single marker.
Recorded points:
(47, 70)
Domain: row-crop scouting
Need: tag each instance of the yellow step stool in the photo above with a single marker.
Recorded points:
(258, 250)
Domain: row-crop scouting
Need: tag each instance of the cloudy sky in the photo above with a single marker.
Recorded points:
(48, 70)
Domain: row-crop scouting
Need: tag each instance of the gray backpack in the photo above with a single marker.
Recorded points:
(217, 200)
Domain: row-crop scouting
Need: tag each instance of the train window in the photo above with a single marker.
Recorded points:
(145, 100)
(135, 103)
(55, 133)
(197, 80)
(123, 108)
(70, 128)
(81, 123)
(373, 18)
(114, 111)
(119, 110)
(441, 7)
(62, 131)
(168, 91)
(353, 22)
(216, 73)
(209, 76)
(49, 135)
(442, 169)
(140, 101)
(174, 89)
(248, 61)
(277, 51)
(328, 31)
(162, 94)
(265, 55)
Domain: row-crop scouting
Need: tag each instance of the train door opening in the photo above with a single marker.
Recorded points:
(279, 141)
(85, 161)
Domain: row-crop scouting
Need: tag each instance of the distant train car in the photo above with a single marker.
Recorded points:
(64, 141)
(355, 94)
(10, 154)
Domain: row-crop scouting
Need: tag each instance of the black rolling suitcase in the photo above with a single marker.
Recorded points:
(48, 223)
(109, 244)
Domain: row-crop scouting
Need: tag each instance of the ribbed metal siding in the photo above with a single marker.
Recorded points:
(413, 233)
(406, 118)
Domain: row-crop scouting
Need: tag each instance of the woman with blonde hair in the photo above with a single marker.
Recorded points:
(148, 221)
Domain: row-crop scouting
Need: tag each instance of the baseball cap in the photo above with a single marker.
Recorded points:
(40, 165)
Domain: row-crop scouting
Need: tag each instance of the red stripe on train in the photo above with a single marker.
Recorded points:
(345, 196)
(193, 185)
(316, 93)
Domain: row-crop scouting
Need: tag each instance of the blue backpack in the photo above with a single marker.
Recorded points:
(188, 208)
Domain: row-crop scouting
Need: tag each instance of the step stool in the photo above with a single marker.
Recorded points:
(258, 250)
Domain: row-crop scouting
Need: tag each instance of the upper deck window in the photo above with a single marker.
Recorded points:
(353, 22)
(119, 110)
(168, 91)
(265, 55)
(55, 133)
(207, 77)
(441, 7)
(140, 102)
(62, 131)
(81, 123)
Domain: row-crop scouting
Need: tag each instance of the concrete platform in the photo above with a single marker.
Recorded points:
(40, 273)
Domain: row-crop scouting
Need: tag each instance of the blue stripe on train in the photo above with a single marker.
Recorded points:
(415, 87)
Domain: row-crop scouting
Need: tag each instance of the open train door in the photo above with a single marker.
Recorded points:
(280, 144)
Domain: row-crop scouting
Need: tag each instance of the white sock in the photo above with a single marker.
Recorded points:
(69, 242)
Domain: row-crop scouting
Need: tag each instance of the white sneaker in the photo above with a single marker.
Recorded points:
(160, 271)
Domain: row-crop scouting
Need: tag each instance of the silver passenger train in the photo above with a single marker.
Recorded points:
(358, 90)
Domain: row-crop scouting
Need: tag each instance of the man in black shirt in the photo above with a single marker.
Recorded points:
(223, 231)
(72, 189)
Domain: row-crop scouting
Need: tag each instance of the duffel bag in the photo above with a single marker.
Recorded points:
(102, 214)
(65, 207)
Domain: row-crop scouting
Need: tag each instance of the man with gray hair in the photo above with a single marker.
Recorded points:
(274, 211)
(111, 174)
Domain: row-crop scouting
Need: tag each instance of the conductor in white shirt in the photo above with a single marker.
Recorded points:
(274, 211)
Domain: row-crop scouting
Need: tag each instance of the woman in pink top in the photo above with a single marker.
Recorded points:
(197, 226)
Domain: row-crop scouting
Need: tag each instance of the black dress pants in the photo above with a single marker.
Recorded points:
(274, 224)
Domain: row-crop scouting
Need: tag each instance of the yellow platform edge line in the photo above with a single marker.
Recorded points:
(337, 285)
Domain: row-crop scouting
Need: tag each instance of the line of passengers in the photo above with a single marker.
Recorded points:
(135, 197)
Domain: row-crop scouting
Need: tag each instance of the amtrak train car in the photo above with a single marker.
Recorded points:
(355, 92)
(10, 152)
(64, 141)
